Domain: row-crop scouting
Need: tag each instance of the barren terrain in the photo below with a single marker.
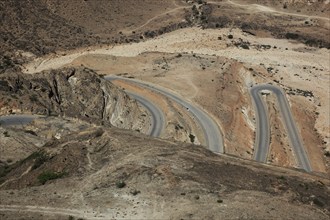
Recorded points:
(190, 72)
(161, 180)
(102, 76)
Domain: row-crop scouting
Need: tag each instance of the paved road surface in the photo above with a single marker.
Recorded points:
(157, 116)
(263, 128)
(210, 128)
(10, 120)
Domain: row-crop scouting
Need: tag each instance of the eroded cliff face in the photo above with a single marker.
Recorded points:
(75, 93)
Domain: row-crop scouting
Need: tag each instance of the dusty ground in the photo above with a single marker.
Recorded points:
(193, 77)
(228, 47)
(304, 21)
(38, 27)
(300, 7)
(108, 18)
(19, 142)
(51, 26)
(162, 179)
(302, 71)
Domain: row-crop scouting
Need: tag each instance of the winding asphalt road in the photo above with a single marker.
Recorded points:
(157, 116)
(263, 128)
(212, 134)
(211, 130)
(10, 120)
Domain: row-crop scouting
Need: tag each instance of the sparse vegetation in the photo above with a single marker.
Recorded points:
(107, 166)
(245, 46)
(33, 98)
(5, 63)
(192, 138)
(6, 134)
(304, 93)
(30, 132)
(40, 158)
(120, 184)
(134, 192)
(49, 175)
(5, 169)
(178, 127)
(293, 36)
(282, 177)
(285, 5)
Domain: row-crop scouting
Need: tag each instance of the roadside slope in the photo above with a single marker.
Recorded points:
(198, 183)
(76, 93)
(263, 129)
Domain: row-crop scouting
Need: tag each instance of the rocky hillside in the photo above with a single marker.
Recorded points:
(88, 156)
(38, 27)
(30, 26)
(109, 173)
(294, 21)
(76, 93)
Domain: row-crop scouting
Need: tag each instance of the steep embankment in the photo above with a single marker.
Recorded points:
(110, 173)
(75, 93)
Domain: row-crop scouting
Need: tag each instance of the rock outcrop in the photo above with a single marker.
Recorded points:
(75, 93)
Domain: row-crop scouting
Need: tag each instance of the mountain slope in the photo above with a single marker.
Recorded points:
(110, 173)
(77, 93)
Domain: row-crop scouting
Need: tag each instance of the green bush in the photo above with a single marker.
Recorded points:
(40, 158)
(120, 184)
(49, 175)
(6, 134)
(4, 170)
(33, 98)
(245, 46)
(192, 138)
(134, 192)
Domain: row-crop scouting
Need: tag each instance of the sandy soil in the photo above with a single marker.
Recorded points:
(290, 64)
